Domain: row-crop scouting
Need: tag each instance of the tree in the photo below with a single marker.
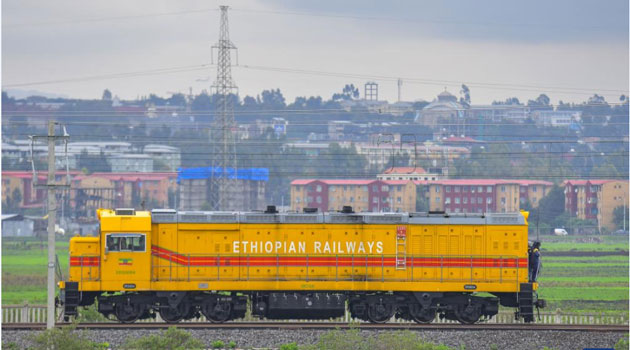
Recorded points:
(177, 100)
(508, 101)
(273, 99)
(202, 103)
(551, 206)
(349, 92)
(618, 216)
(249, 102)
(541, 101)
(107, 95)
(465, 98)
(606, 170)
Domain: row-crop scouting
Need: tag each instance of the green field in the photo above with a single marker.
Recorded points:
(24, 271)
(581, 284)
(585, 284)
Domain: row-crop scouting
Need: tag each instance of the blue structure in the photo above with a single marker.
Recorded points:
(253, 174)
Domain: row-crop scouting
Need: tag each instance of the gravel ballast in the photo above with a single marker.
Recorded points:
(257, 338)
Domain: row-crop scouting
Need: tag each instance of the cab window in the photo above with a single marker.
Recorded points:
(126, 242)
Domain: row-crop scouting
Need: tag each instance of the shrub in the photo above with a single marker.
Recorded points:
(232, 344)
(623, 343)
(65, 338)
(172, 339)
(90, 314)
(218, 344)
(289, 346)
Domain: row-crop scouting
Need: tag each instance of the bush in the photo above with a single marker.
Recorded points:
(172, 339)
(65, 338)
(218, 344)
(623, 343)
(90, 314)
(232, 344)
(289, 346)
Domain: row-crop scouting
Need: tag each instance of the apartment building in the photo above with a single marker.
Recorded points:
(362, 195)
(595, 199)
(484, 195)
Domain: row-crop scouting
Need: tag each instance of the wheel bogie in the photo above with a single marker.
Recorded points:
(377, 307)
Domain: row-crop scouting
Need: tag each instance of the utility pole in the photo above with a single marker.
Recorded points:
(399, 88)
(223, 183)
(51, 187)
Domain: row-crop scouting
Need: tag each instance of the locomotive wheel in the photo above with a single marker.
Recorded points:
(128, 312)
(380, 313)
(174, 314)
(217, 311)
(422, 315)
(468, 314)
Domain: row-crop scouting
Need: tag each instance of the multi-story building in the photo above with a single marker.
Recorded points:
(362, 195)
(380, 154)
(484, 195)
(131, 163)
(19, 185)
(165, 158)
(551, 118)
(595, 199)
(408, 174)
(120, 190)
(445, 109)
(248, 194)
(498, 113)
(532, 191)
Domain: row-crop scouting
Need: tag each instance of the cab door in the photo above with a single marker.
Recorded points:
(126, 261)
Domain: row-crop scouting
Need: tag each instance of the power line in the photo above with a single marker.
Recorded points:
(422, 81)
(106, 19)
(115, 75)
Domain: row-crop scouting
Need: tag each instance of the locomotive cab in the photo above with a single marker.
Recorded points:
(125, 249)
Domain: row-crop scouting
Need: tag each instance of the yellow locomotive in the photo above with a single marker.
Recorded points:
(301, 265)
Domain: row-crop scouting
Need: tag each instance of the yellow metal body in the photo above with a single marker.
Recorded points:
(306, 257)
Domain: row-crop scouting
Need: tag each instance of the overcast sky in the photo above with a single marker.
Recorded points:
(568, 49)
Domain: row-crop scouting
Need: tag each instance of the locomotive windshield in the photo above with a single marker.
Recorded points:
(126, 242)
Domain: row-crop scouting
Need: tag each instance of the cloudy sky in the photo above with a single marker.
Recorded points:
(568, 49)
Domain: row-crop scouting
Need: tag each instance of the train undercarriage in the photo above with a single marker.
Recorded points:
(377, 307)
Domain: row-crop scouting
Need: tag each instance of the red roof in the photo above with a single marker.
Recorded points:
(532, 182)
(460, 139)
(397, 182)
(405, 170)
(333, 181)
(41, 174)
(483, 182)
(584, 182)
(135, 176)
(348, 182)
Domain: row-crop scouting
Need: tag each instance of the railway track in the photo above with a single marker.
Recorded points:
(329, 325)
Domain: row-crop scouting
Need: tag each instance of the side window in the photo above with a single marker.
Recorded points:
(126, 242)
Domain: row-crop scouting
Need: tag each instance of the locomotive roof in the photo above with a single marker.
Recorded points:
(173, 216)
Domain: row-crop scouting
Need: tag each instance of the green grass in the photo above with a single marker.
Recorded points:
(24, 271)
(578, 246)
(586, 284)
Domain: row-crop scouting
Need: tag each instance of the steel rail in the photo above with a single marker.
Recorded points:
(333, 325)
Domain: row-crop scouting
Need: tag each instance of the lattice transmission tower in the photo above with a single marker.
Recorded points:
(223, 183)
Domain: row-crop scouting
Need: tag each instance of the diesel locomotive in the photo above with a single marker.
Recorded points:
(312, 265)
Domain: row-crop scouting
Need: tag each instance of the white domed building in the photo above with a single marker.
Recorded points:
(445, 109)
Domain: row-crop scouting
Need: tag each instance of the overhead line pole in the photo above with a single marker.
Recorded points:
(51, 187)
